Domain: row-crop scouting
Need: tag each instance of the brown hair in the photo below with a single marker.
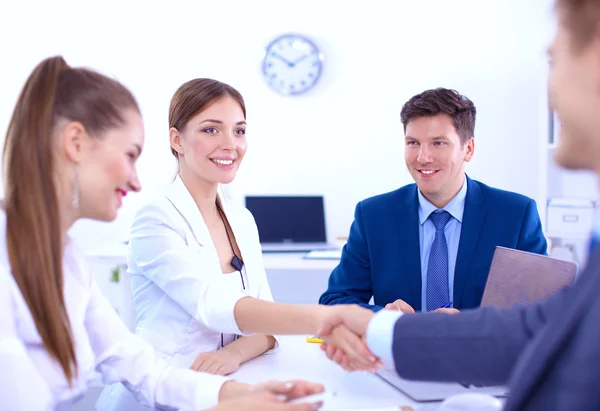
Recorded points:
(581, 18)
(442, 101)
(196, 95)
(53, 92)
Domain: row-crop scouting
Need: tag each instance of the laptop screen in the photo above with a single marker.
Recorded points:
(287, 219)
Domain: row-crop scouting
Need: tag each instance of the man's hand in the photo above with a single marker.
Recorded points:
(337, 354)
(446, 311)
(400, 305)
(222, 362)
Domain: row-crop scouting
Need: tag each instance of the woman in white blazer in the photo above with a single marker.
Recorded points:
(70, 153)
(192, 255)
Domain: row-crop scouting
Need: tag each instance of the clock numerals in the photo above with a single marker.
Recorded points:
(292, 65)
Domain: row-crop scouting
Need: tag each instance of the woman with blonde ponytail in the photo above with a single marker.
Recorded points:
(70, 153)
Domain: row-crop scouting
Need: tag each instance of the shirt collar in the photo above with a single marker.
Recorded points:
(455, 207)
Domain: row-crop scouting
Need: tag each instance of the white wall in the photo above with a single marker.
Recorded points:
(343, 140)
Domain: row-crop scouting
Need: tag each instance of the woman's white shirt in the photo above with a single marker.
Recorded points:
(31, 380)
(182, 299)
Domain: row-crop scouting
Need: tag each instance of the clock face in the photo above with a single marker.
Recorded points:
(292, 64)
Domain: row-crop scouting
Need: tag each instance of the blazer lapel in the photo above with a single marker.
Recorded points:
(543, 353)
(182, 200)
(473, 217)
(408, 228)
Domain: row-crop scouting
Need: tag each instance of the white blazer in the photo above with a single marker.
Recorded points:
(182, 299)
(31, 380)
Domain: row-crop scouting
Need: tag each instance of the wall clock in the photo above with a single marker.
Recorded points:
(292, 64)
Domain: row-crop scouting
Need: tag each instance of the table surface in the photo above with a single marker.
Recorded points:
(296, 261)
(297, 359)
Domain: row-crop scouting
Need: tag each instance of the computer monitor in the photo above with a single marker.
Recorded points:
(294, 223)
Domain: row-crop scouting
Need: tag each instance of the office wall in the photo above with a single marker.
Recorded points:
(343, 140)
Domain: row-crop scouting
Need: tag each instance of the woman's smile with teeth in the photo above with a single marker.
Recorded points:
(223, 162)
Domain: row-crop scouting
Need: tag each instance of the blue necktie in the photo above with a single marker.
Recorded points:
(437, 293)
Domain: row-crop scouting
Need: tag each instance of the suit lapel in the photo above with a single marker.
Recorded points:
(410, 245)
(182, 200)
(541, 356)
(473, 217)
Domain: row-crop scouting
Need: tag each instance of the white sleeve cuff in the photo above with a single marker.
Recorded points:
(187, 389)
(217, 312)
(380, 334)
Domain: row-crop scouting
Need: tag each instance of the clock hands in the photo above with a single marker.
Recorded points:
(289, 63)
(299, 60)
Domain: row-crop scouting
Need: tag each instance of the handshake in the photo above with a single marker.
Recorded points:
(343, 329)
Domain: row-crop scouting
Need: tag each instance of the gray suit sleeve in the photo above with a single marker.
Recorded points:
(478, 346)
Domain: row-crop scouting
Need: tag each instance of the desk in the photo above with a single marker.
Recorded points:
(295, 280)
(297, 359)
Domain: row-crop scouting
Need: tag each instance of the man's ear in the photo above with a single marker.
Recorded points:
(470, 149)
(73, 138)
(175, 140)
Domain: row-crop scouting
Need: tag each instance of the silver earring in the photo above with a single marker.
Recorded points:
(75, 190)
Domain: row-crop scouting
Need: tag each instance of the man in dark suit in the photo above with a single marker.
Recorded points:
(430, 244)
(547, 353)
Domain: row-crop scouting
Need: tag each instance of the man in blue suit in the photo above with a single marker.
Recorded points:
(430, 244)
(547, 353)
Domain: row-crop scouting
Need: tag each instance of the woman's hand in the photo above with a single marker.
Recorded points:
(290, 390)
(270, 392)
(263, 401)
(222, 362)
(343, 328)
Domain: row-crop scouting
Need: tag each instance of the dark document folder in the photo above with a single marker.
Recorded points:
(522, 277)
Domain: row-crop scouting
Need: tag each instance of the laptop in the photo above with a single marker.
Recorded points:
(522, 277)
(421, 391)
(515, 277)
(289, 223)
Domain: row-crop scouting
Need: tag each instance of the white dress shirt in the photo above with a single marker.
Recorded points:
(380, 334)
(31, 380)
(183, 300)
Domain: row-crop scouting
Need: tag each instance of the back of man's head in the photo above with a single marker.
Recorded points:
(581, 18)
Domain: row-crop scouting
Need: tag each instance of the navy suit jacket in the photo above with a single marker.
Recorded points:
(382, 255)
(547, 353)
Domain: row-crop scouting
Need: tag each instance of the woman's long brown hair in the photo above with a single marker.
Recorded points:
(34, 235)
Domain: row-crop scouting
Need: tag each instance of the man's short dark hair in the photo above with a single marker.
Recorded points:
(442, 101)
